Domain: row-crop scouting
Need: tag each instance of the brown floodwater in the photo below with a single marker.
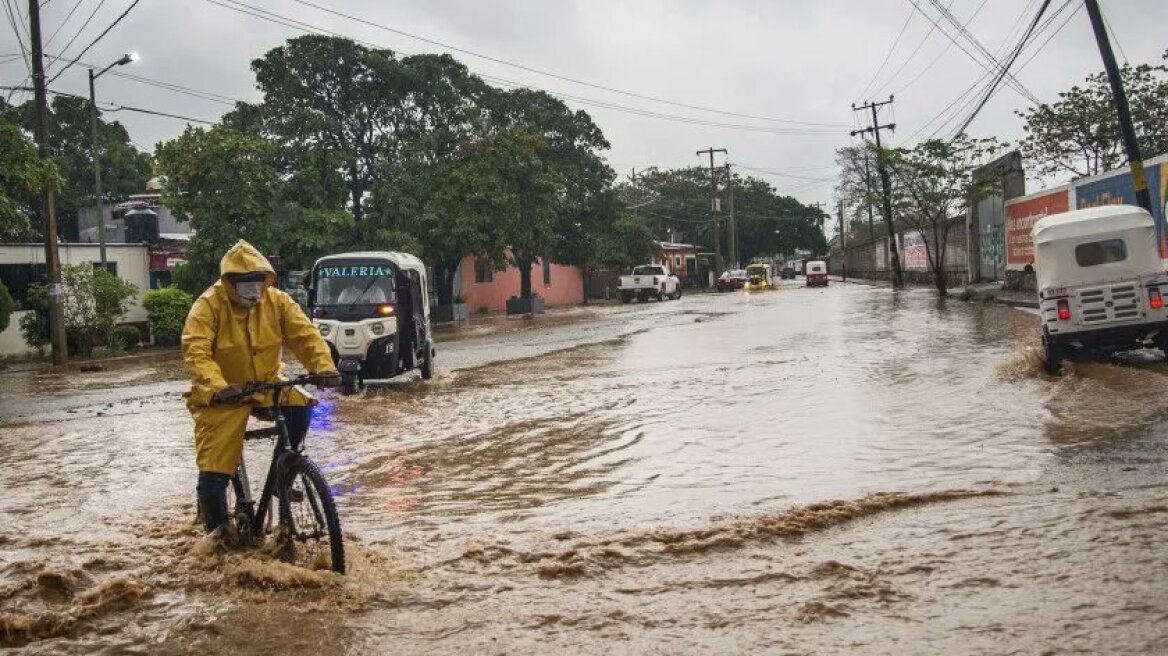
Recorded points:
(800, 471)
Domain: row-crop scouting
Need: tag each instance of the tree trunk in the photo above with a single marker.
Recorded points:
(524, 266)
(444, 271)
(356, 192)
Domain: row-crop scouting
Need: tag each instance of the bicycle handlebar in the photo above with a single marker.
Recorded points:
(256, 386)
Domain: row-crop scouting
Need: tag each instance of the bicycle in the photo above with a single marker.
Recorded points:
(309, 530)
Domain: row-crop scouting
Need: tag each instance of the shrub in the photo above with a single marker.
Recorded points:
(94, 300)
(122, 338)
(7, 305)
(167, 309)
(34, 327)
(190, 279)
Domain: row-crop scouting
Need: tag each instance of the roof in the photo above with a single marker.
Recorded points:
(1089, 222)
(402, 260)
(674, 246)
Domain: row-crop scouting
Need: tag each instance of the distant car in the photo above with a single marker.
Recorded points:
(787, 273)
(730, 280)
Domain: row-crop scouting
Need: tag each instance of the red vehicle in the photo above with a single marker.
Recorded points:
(730, 280)
(817, 274)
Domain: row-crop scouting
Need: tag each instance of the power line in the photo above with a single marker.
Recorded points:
(63, 22)
(8, 9)
(557, 76)
(1021, 90)
(891, 49)
(1107, 22)
(94, 42)
(309, 28)
(114, 107)
(904, 64)
(985, 74)
(1005, 69)
(941, 54)
(781, 174)
(81, 30)
(993, 58)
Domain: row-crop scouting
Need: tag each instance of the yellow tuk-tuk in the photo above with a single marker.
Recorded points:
(758, 277)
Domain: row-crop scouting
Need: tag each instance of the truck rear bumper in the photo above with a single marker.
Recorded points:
(1111, 337)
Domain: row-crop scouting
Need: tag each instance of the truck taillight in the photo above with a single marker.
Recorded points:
(1154, 299)
(656, 280)
(1064, 309)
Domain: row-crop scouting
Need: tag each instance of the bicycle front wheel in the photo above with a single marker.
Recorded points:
(309, 522)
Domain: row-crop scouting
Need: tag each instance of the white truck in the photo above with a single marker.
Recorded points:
(649, 281)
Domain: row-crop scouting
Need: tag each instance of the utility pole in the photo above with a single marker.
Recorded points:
(714, 206)
(733, 220)
(886, 186)
(1130, 145)
(52, 260)
(843, 241)
(97, 171)
(868, 197)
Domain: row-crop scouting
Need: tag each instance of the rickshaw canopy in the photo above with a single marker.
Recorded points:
(1081, 247)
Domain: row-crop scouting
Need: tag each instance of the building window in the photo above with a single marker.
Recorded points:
(484, 270)
(677, 263)
(547, 271)
(18, 277)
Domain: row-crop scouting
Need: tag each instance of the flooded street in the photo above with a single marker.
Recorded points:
(842, 470)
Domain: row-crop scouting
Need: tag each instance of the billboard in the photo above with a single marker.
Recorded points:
(1021, 215)
(1115, 188)
(916, 258)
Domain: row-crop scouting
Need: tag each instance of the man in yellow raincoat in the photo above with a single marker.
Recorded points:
(234, 334)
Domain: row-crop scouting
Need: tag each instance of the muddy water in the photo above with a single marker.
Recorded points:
(801, 471)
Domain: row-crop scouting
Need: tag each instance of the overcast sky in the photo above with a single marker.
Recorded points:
(797, 60)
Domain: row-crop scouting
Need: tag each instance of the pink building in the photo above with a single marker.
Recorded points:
(484, 287)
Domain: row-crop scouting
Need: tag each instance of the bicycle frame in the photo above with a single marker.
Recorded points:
(258, 516)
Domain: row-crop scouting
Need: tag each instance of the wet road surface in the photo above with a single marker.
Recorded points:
(800, 471)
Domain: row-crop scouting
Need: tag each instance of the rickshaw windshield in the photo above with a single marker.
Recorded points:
(356, 284)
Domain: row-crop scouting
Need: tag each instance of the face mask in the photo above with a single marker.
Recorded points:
(249, 292)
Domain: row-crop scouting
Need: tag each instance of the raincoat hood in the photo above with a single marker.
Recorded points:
(245, 258)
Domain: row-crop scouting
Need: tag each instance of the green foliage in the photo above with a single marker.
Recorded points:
(7, 306)
(94, 299)
(192, 280)
(122, 338)
(1079, 133)
(676, 204)
(34, 328)
(23, 177)
(933, 187)
(124, 168)
(167, 309)
(225, 182)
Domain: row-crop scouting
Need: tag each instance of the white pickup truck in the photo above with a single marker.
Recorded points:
(649, 281)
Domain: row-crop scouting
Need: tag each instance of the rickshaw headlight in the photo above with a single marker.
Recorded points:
(378, 328)
(325, 330)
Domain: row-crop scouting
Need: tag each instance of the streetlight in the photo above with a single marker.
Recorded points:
(126, 59)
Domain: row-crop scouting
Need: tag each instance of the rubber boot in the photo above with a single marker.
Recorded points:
(213, 508)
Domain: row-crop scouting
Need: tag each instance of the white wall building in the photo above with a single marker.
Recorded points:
(22, 264)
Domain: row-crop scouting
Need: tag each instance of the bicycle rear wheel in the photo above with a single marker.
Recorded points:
(309, 521)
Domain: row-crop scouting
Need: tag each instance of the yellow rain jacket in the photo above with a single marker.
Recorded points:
(226, 344)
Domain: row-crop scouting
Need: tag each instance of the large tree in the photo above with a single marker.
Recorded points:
(23, 178)
(933, 188)
(124, 168)
(222, 181)
(1079, 133)
(555, 154)
(335, 107)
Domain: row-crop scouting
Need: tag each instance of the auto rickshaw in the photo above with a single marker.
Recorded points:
(758, 277)
(372, 308)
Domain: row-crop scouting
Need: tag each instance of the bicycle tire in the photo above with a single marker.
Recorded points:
(240, 514)
(301, 477)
